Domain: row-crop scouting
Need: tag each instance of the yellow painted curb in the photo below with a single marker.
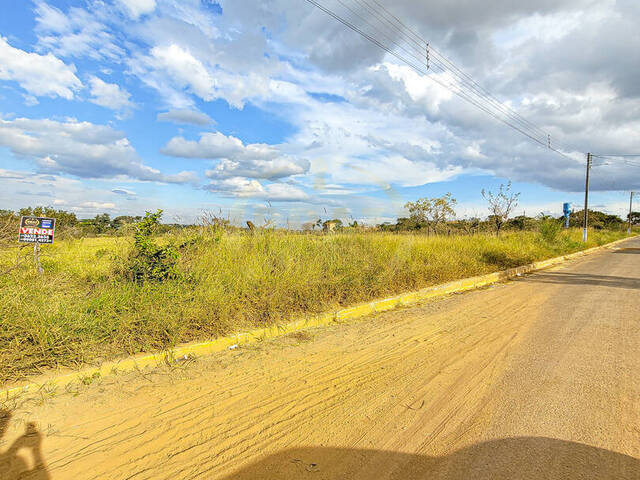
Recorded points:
(224, 343)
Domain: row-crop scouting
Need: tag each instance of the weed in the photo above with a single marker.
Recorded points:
(550, 228)
(89, 379)
(84, 309)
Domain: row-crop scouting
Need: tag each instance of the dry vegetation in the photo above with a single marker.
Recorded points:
(83, 309)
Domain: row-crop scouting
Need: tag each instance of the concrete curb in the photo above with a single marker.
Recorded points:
(223, 343)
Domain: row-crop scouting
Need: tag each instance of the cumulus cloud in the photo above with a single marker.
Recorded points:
(257, 160)
(216, 145)
(362, 120)
(255, 168)
(249, 188)
(191, 117)
(177, 72)
(579, 91)
(40, 75)
(82, 149)
(173, 70)
(109, 95)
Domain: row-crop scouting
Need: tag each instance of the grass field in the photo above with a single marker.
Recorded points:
(83, 310)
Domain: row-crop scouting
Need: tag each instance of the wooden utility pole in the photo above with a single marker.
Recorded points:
(586, 201)
(630, 209)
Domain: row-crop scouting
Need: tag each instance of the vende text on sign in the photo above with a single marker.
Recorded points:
(37, 230)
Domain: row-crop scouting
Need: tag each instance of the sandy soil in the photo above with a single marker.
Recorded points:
(534, 379)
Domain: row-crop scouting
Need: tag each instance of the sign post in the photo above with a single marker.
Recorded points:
(37, 230)
(566, 209)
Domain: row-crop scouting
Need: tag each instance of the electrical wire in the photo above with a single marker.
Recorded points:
(435, 56)
(620, 158)
(617, 155)
(454, 79)
(544, 138)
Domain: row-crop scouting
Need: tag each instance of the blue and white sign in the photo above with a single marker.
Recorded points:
(567, 208)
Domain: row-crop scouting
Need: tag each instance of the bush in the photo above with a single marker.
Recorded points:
(550, 229)
(149, 261)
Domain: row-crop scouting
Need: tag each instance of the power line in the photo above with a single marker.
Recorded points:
(620, 158)
(424, 45)
(422, 48)
(618, 155)
(459, 83)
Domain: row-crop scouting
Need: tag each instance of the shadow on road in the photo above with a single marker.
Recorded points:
(564, 278)
(526, 458)
(628, 251)
(23, 459)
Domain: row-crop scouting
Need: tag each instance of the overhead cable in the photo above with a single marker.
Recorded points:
(423, 58)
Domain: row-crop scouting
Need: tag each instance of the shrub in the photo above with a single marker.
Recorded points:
(550, 228)
(149, 261)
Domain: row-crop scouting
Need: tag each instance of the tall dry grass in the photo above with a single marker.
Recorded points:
(82, 310)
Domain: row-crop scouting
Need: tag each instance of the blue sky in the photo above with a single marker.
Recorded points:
(274, 111)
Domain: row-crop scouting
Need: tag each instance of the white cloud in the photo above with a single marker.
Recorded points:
(97, 205)
(255, 168)
(24, 188)
(216, 145)
(137, 8)
(76, 33)
(192, 117)
(257, 160)
(40, 75)
(51, 19)
(428, 94)
(109, 95)
(173, 66)
(82, 149)
(248, 188)
(179, 70)
(376, 124)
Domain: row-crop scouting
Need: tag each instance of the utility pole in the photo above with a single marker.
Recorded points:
(586, 200)
(630, 208)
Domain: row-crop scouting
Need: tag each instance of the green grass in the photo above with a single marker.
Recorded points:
(82, 310)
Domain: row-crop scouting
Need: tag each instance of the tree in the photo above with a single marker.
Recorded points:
(597, 220)
(63, 218)
(118, 222)
(431, 211)
(470, 225)
(332, 225)
(102, 223)
(635, 218)
(521, 222)
(501, 204)
(147, 260)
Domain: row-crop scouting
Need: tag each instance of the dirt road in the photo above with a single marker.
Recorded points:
(534, 379)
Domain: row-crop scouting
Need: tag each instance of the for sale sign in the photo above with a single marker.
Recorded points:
(37, 229)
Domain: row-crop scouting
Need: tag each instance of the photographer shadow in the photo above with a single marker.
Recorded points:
(520, 458)
(13, 464)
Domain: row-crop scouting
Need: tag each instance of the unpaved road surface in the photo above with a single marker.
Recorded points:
(534, 379)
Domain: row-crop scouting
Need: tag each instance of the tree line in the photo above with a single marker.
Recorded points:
(437, 215)
(434, 215)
